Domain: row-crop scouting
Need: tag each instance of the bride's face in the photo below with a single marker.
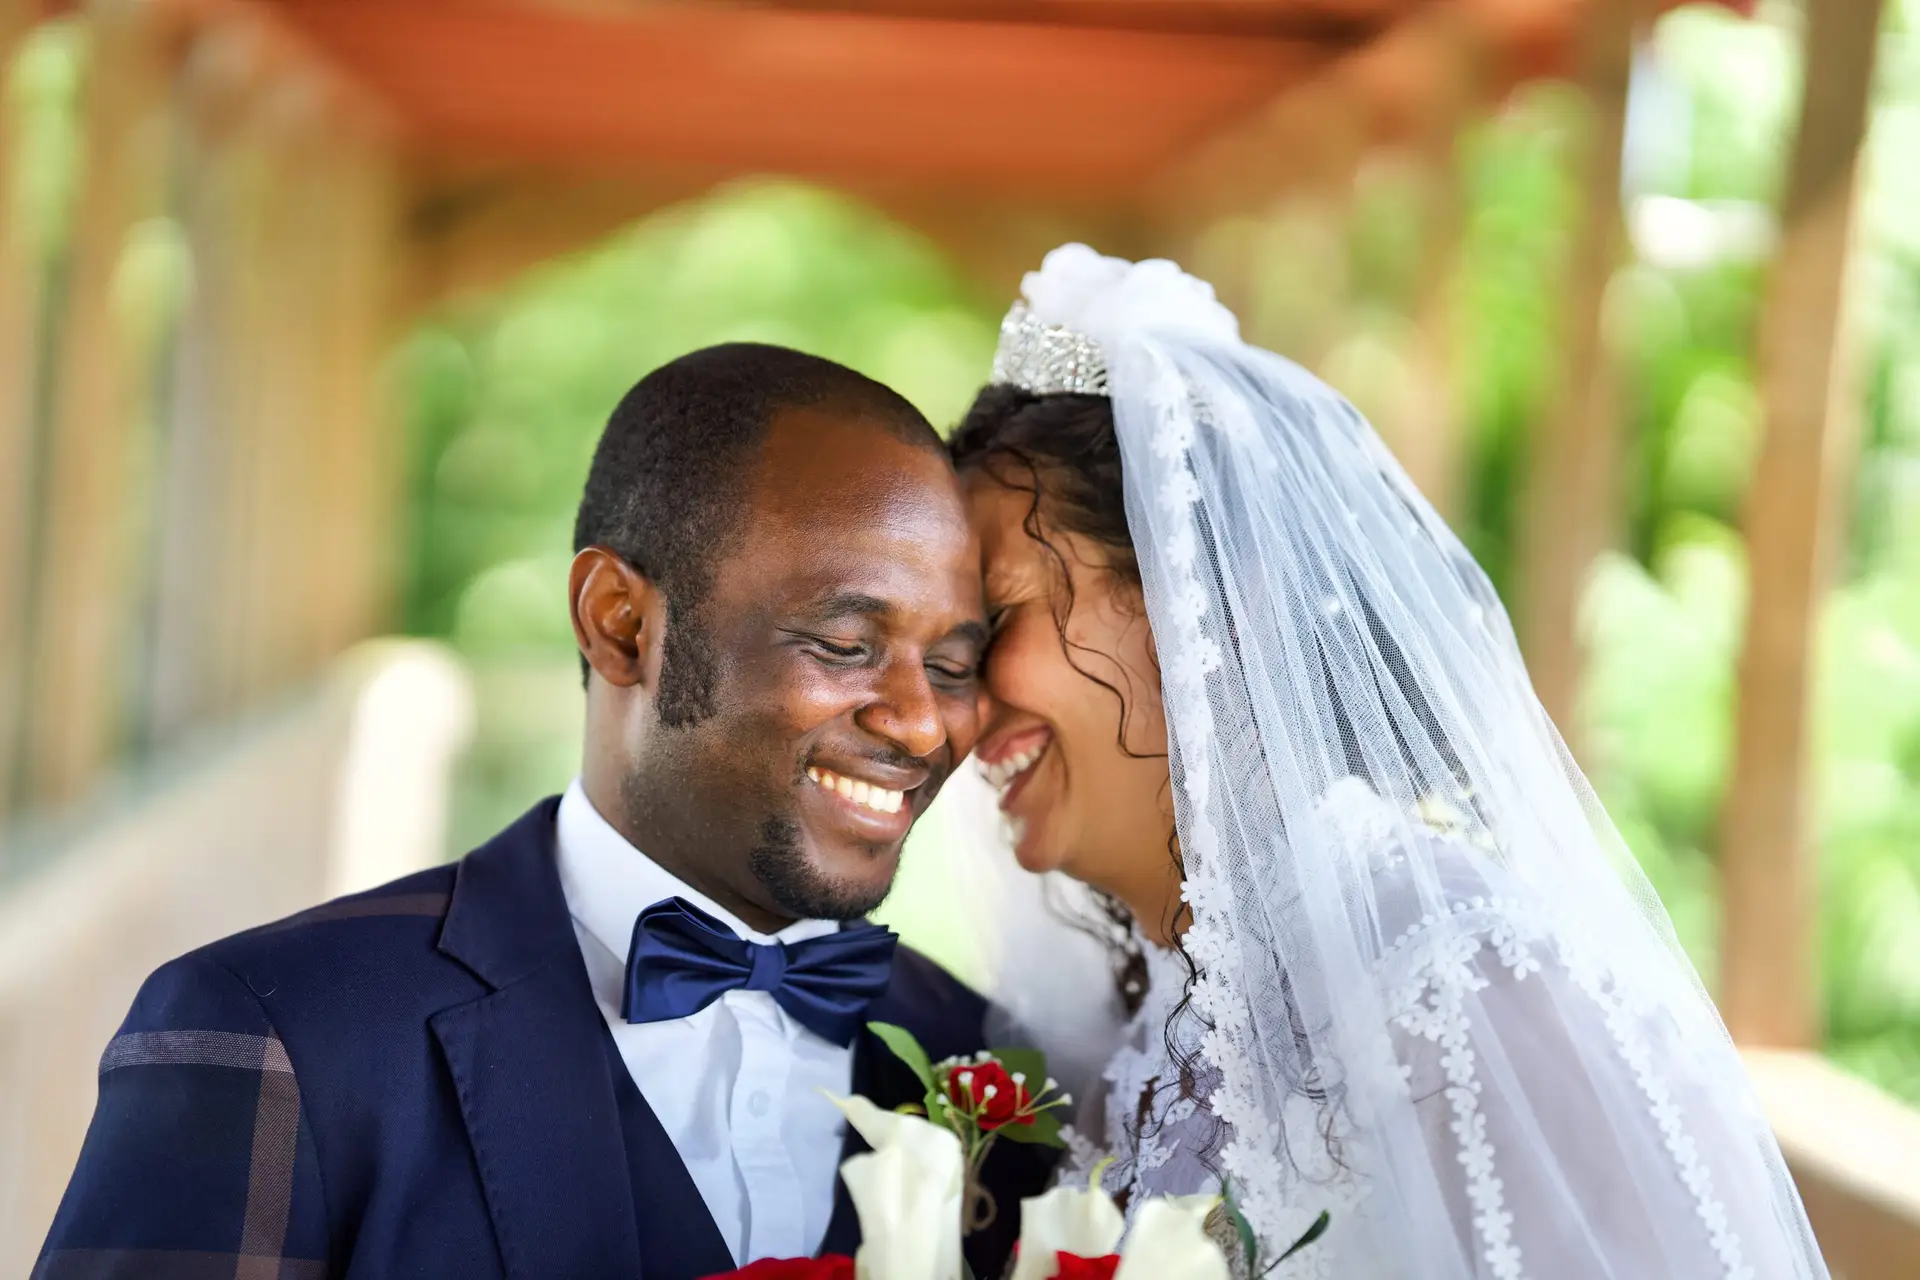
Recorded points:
(1075, 738)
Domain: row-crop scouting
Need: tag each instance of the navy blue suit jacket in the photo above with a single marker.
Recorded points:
(416, 1081)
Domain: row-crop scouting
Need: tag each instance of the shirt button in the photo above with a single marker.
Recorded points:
(758, 1103)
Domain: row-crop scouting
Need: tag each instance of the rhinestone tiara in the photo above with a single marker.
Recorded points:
(1047, 359)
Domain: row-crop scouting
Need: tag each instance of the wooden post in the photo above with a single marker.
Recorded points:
(358, 494)
(1429, 436)
(84, 626)
(1568, 508)
(1432, 442)
(1795, 513)
(208, 531)
(20, 296)
(278, 541)
(278, 275)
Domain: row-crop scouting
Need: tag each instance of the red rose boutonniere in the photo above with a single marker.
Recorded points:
(999, 1093)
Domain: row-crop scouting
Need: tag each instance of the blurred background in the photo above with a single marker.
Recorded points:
(311, 312)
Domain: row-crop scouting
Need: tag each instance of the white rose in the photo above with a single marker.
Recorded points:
(1065, 1220)
(1169, 1241)
(907, 1192)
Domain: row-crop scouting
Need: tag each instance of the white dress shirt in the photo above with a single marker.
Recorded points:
(737, 1086)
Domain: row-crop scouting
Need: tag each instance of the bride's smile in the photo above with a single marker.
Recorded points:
(1009, 763)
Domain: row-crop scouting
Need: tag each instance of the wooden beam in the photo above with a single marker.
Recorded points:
(1315, 134)
(1567, 512)
(1345, 20)
(842, 97)
(1795, 517)
(84, 620)
(467, 234)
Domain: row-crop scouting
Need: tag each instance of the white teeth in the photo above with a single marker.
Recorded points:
(866, 794)
(1000, 773)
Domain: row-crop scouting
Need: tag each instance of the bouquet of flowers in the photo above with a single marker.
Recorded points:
(918, 1190)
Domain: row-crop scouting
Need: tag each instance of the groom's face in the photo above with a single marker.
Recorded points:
(845, 631)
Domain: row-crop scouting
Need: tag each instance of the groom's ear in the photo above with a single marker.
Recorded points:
(619, 617)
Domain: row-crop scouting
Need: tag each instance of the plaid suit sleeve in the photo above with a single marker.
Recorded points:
(199, 1161)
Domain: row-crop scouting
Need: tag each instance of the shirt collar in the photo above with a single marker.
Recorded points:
(608, 882)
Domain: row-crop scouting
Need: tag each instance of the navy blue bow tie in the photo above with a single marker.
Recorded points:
(682, 960)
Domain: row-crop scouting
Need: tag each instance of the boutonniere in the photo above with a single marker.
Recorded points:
(998, 1093)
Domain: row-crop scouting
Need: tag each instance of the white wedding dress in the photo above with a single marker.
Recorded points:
(1652, 1193)
(1431, 994)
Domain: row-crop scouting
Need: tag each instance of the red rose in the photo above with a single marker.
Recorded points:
(832, 1266)
(1075, 1267)
(986, 1091)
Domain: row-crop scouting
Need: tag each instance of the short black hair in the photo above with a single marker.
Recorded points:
(664, 491)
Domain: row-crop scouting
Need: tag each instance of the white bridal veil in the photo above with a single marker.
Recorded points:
(1435, 995)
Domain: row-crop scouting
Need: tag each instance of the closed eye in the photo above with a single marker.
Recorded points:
(954, 674)
(838, 652)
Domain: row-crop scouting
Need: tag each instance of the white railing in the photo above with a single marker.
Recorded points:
(341, 791)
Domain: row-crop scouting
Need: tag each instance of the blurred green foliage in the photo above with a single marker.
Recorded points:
(507, 401)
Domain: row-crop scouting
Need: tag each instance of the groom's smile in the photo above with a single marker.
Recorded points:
(870, 797)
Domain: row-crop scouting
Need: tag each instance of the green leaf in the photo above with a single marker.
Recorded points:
(1030, 1063)
(905, 1048)
(1249, 1243)
(1043, 1132)
(1314, 1232)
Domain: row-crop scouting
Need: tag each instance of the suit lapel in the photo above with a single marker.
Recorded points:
(529, 1069)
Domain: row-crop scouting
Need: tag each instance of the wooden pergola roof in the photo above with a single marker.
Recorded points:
(1083, 99)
